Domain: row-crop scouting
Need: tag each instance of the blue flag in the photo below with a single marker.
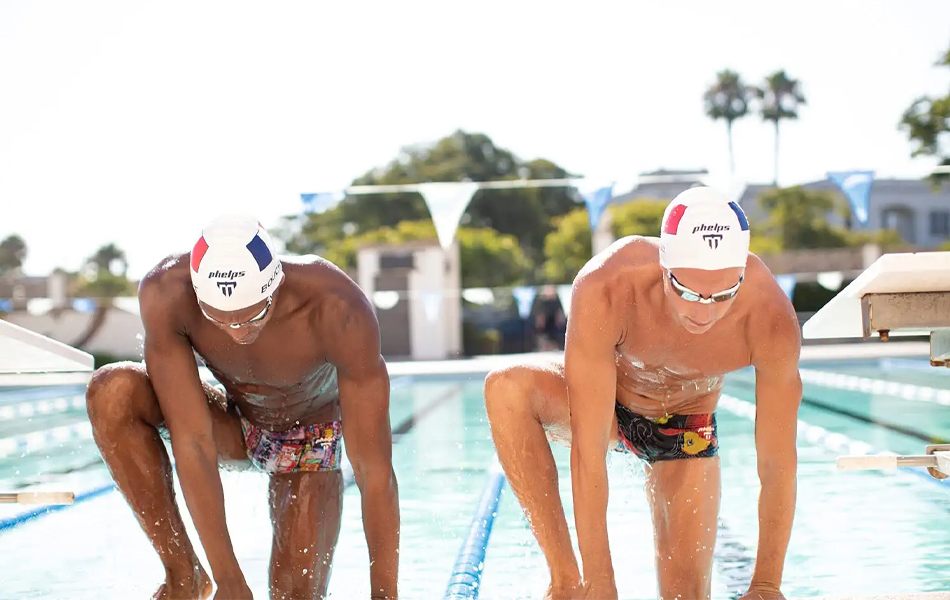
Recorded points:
(84, 305)
(596, 200)
(856, 186)
(318, 203)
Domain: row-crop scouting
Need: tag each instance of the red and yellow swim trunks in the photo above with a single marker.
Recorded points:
(666, 438)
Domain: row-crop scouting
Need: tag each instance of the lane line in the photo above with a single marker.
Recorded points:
(465, 579)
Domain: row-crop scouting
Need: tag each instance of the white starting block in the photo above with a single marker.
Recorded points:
(28, 358)
(900, 294)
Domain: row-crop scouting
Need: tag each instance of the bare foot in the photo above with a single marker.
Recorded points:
(195, 585)
(563, 592)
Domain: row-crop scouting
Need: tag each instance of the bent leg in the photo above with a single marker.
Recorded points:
(525, 403)
(305, 512)
(684, 497)
(125, 416)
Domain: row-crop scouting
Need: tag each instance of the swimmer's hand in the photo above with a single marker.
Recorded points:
(760, 591)
(232, 590)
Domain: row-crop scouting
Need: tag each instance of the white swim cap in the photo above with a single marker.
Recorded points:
(703, 230)
(233, 265)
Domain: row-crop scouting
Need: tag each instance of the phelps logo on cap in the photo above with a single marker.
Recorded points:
(703, 230)
(233, 265)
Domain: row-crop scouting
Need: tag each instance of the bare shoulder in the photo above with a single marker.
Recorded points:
(166, 289)
(772, 326)
(340, 303)
(613, 273)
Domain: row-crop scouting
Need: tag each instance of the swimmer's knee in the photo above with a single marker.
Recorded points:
(502, 385)
(507, 390)
(116, 392)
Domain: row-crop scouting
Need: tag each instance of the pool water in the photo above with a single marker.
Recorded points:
(855, 532)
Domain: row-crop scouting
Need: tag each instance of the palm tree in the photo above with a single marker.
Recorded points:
(780, 98)
(728, 99)
(12, 254)
(104, 280)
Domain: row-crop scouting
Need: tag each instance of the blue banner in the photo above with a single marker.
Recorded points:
(856, 186)
(84, 305)
(787, 283)
(524, 297)
(323, 201)
(596, 200)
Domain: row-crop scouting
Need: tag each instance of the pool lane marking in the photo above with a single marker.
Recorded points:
(37, 440)
(48, 406)
(837, 443)
(735, 561)
(907, 391)
(466, 576)
(31, 515)
(897, 428)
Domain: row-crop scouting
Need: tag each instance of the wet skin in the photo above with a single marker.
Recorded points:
(632, 340)
(313, 357)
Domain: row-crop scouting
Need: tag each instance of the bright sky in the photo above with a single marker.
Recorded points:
(133, 122)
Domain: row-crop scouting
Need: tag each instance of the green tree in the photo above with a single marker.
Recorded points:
(798, 219)
(927, 123)
(488, 258)
(728, 99)
(568, 247)
(523, 213)
(780, 97)
(12, 254)
(637, 217)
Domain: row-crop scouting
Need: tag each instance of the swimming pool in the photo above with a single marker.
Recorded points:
(855, 533)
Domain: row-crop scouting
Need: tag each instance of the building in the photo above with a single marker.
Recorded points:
(919, 212)
(914, 208)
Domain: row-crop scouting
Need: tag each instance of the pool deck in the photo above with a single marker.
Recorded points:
(484, 364)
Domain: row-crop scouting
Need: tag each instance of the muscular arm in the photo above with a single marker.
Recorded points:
(174, 375)
(778, 393)
(364, 404)
(591, 373)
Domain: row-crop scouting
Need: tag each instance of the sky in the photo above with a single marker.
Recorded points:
(135, 123)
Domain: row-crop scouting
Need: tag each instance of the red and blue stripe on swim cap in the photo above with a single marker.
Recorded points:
(260, 252)
(198, 253)
(673, 220)
(676, 215)
(740, 214)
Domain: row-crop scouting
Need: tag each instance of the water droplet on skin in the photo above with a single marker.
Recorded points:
(305, 571)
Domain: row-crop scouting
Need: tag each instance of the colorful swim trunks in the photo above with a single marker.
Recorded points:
(314, 447)
(666, 438)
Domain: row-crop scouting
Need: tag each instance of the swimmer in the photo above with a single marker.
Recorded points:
(295, 346)
(654, 326)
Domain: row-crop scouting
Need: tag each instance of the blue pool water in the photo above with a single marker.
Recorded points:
(855, 532)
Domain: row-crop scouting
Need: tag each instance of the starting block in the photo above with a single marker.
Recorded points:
(899, 294)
